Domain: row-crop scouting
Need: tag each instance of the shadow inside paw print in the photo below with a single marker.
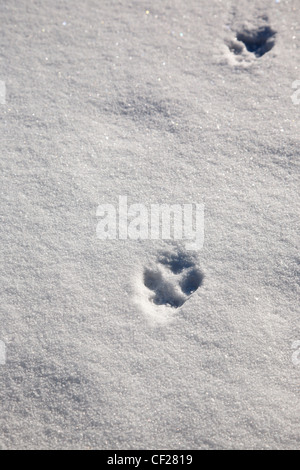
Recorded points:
(258, 41)
(174, 279)
(251, 41)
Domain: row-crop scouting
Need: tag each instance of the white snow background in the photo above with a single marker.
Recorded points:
(154, 101)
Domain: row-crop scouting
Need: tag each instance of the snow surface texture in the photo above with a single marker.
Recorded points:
(164, 102)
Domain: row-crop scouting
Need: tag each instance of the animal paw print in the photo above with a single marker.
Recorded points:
(173, 280)
(251, 42)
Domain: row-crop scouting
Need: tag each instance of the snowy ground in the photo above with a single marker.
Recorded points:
(159, 102)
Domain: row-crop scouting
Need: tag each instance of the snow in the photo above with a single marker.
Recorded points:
(161, 102)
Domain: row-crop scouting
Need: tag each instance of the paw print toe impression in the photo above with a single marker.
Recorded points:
(173, 280)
